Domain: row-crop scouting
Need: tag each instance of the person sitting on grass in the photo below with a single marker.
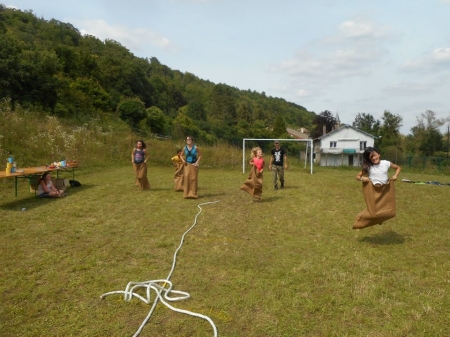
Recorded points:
(46, 189)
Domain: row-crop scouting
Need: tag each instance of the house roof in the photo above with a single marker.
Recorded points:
(298, 134)
(341, 128)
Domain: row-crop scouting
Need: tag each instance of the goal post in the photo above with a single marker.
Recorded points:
(309, 144)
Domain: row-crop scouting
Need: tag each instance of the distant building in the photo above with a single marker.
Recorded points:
(343, 146)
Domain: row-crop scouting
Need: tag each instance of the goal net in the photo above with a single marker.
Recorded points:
(309, 146)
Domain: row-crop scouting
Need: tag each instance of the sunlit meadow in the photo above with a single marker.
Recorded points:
(289, 265)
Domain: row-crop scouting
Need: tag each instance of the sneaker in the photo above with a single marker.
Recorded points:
(276, 187)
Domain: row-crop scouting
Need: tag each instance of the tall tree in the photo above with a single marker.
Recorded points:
(279, 127)
(430, 137)
(9, 68)
(324, 121)
(367, 123)
(244, 112)
(390, 129)
(196, 110)
(156, 120)
(132, 111)
(223, 104)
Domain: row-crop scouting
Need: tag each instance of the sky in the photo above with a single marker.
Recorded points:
(348, 56)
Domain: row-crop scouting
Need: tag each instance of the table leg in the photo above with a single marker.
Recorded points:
(15, 185)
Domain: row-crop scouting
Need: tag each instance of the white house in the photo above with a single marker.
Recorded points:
(343, 146)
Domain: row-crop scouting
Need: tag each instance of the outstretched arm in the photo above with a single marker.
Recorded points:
(397, 170)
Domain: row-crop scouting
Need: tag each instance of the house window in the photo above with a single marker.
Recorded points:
(362, 146)
(333, 144)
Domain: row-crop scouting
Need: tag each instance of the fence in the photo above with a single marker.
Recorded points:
(440, 164)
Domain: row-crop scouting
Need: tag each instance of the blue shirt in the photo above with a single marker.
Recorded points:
(191, 156)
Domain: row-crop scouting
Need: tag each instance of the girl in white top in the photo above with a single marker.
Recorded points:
(376, 170)
(46, 189)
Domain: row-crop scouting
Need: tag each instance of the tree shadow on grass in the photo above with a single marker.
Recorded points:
(385, 238)
(33, 201)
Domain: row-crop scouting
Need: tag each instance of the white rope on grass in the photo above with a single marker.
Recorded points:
(163, 293)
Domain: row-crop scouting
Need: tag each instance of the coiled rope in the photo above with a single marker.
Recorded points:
(163, 293)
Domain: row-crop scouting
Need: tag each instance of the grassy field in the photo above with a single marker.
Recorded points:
(289, 265)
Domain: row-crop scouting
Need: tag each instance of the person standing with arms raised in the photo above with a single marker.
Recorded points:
(278, 163)
(192, 157)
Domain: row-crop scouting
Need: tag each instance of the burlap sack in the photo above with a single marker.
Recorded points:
(141, 176)
(178, 177)
(253, 184)
(380, 205)
(190, 181)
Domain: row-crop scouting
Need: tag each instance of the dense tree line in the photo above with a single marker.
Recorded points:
(425, 138)
(49, 66)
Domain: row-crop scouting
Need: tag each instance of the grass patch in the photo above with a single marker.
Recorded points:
(287, 266)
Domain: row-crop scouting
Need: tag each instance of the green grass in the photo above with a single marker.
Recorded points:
(289, 265)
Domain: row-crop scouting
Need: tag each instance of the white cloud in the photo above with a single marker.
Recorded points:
(361, 29)
(441, 54)
(354, 51)
(409, 88)
(337, 64)
(439, 58)
(303, 93)
(133, 38)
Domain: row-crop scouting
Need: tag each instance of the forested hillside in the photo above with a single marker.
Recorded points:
(48, 66)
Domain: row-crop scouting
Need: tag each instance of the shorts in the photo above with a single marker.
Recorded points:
(44, 195)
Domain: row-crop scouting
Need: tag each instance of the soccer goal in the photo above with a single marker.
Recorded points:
(309, 146)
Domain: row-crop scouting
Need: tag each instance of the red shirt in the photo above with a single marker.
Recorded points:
(259, 163)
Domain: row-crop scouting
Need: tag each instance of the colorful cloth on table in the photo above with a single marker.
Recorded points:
(179, 177)
(190, 181)
(380, 205)
(141, 176)
(253, 184)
